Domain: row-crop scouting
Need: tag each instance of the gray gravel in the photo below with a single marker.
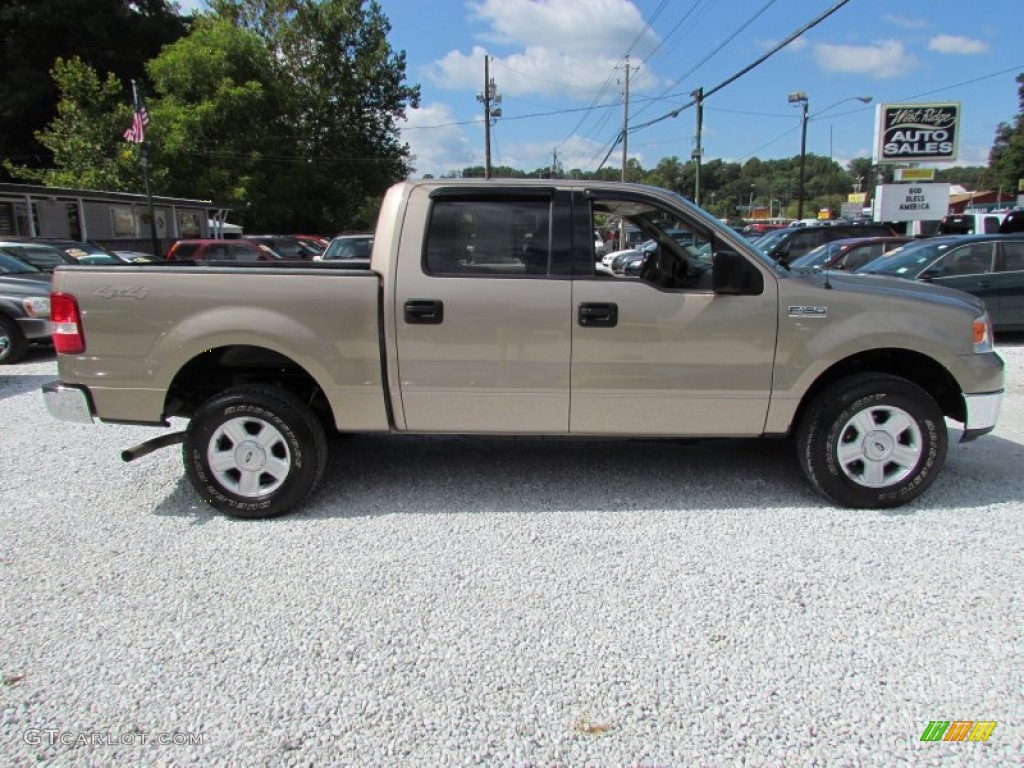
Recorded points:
(449, 601)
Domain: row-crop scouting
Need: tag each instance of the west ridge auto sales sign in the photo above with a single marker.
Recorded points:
(914, 133)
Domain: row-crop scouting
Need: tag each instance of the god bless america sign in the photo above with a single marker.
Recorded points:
(914, 133)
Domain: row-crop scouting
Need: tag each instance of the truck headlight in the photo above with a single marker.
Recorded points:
(983, 334)
(37, 306)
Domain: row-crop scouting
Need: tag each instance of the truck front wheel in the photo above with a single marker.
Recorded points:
(254, 452)
(872, 441)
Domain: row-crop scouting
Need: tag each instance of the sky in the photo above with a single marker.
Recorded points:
(560, 68)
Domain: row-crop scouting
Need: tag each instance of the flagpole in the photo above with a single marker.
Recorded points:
(145, 179)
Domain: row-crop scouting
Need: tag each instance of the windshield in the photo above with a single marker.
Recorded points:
(767, 242)
(907, 260)
(41, 256)
(12, 266)
(817, 257)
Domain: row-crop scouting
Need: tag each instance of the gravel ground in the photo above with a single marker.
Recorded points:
(449, 601)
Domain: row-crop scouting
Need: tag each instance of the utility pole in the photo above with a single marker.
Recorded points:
(625, 148)
(489, 94)
(698, 96)
(625, 122)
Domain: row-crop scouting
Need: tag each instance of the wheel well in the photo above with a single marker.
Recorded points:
(221, 368)
(920, 369)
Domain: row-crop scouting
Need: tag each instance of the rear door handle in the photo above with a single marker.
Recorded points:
(598, 315)
(424, 312)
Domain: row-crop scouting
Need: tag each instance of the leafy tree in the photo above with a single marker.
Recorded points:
(83, 137)
(215, 120)
(346, 90)
(116, 36)
(1006, 160)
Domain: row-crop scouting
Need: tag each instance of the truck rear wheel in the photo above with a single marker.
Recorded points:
(872, 441)
(254, 452)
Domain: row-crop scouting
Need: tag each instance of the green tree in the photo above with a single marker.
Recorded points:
(1006, 160)
(345, 93)
(116, 36)
(85, 137)
(215, 120)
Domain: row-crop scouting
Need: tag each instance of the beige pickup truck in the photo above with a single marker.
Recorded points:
(483, 312)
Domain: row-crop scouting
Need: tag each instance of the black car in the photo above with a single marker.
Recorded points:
(78, 252)
(24, 308)
(789, 244)
(39, 255)
(989, 266)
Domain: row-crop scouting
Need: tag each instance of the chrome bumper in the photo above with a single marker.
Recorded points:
(982, 414)
(67, 403)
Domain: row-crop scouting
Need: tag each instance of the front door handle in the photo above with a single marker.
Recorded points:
(598, 315)
(424, 312)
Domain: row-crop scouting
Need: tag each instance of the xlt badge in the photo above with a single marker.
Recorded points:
(808, 311)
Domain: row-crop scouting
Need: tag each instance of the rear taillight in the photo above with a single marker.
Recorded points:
(68, 338)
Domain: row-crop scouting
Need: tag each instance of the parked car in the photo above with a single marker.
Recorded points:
(971, 223)
(850, 253)
(237, 250)
(290, 248)
(135, 257)
(39, 255)
(989, 266)
(24, 308)
(1014, 222)
(349, 246)
(787, 245)
(83, 253)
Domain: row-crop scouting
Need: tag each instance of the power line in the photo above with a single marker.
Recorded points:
(756, 63)
(721, 45)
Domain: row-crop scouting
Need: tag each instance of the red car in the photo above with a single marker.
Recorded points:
(222, 250)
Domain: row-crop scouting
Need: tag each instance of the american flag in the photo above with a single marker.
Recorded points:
(140, 120)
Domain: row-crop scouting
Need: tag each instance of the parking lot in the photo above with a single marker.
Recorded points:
(457, 601)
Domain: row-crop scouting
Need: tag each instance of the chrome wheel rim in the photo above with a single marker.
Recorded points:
(5, 343)
(249, 457)
(880, 446)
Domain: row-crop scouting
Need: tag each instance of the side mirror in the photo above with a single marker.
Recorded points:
(932, 273)
(732, 274)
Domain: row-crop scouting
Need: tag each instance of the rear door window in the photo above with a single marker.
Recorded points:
(490, 238)
(1013, 257)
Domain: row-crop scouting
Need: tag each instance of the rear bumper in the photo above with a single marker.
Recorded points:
(35, 329)
(982, 414)
(68, 403)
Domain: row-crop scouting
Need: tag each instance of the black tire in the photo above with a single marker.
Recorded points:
(13, 344)
(254, 452)
(872, 441)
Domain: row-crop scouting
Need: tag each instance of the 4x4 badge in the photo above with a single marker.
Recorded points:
(808, 311)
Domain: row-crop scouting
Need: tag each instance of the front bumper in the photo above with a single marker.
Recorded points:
(982, 414)
(68, 403)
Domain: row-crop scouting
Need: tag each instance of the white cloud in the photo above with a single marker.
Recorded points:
(885, 59)
(904, 23)
(571, 26)
(553, 53)
(438, 144)
(957, 45)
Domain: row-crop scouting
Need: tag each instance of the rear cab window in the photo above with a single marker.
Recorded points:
(489, 237)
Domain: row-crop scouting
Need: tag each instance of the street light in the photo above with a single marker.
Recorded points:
(800, 97)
